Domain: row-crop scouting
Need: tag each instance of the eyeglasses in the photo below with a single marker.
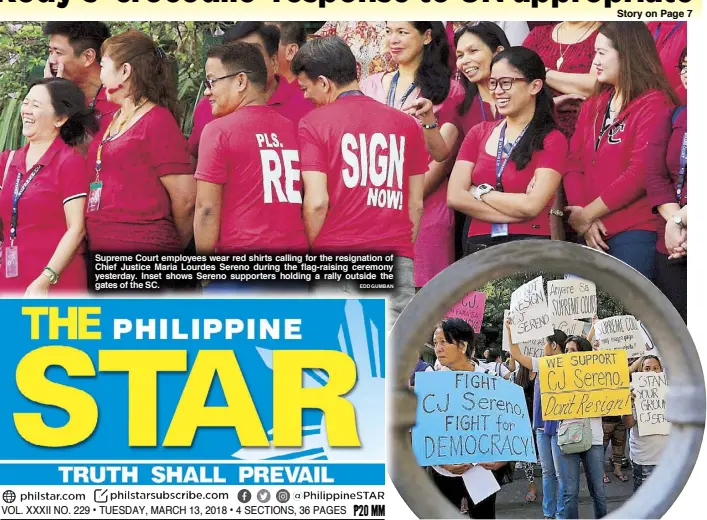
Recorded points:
(506, 83)
(682, 69)
(210, 82)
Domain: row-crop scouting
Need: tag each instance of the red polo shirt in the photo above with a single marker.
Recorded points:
(287, 100)
(670, 40)
(253, 154)
(41, 222)
(135, 213)
(553, 156)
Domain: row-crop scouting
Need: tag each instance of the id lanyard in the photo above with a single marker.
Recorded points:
(483, 110)
(683, 169)
(11, 255)
(656, 33)
(96, 187)
(393, 88)
(501, 230)
(350, 93)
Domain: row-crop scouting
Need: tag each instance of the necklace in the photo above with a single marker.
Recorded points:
(561, 59)
(110, 136)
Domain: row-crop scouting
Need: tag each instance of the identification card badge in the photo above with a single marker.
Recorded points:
(94, 196)
(499, 230)
(12, 269)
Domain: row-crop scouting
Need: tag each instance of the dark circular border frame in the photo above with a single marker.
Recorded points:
(686, 395)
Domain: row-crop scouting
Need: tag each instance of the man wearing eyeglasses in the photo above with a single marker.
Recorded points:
(248, 175)
(285, 98)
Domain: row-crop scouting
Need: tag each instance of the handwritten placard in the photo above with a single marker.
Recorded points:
(569, 326)
(584, 385)
(650, 389)
(648, 341)
(470, 308)
(530, 318)
(620, 332)
(465, 417)
(572, 299)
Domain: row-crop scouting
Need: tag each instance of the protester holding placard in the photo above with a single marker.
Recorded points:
(545, 431)
(526, 380)
(453, 341)
(645, 449)
(621, 137)
(592, 459)
(498, 159)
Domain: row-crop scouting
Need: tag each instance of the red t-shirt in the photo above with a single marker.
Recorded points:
(287, 100)
(135, 212)
(41, 222)
(670, 40)
(553, 156)
(577, 59)
(253, 153)
(367, 211)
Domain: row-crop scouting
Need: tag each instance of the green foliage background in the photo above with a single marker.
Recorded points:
(23, 53)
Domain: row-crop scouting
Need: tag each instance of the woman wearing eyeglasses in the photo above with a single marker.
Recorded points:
(620, 141)
(499, 159)
(668, 196)
(422, 86)
(142, 192)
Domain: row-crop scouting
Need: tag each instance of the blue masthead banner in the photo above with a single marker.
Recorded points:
(127, 380)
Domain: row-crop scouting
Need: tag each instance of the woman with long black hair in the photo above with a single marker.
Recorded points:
(620, 141)
(499, 159)
(422, 85)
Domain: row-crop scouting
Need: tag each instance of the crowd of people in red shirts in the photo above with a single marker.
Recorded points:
(458, 141)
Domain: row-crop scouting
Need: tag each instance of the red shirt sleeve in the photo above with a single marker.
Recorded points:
(469, 150)
(168, 148)
(554, 153)
(530, 41)
(313, 152)
(213, 161)
(573, 180)
(73, 178)
(647, 157)
(416, 146)
(659, 184)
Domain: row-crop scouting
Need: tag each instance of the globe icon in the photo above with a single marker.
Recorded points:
(9, 496)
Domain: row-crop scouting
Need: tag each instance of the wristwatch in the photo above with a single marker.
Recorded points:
(482, 190)
(678, 221)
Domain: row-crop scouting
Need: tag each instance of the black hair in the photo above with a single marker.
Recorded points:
(523, 376)
(330, 57)
(493, 37)
(81, 35)
(494, 354)
(433, 76)
(559, 338)
(531, 67)
(456, 330)
(68, 100)
(242, 56)
(683, 56)
(650, 356)
(583, 344)
(293, 32)
(270, 34)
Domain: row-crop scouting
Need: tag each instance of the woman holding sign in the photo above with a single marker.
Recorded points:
(499, 159)
(545, 431)
(453, 344)
(621, 140)
(645, 449)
